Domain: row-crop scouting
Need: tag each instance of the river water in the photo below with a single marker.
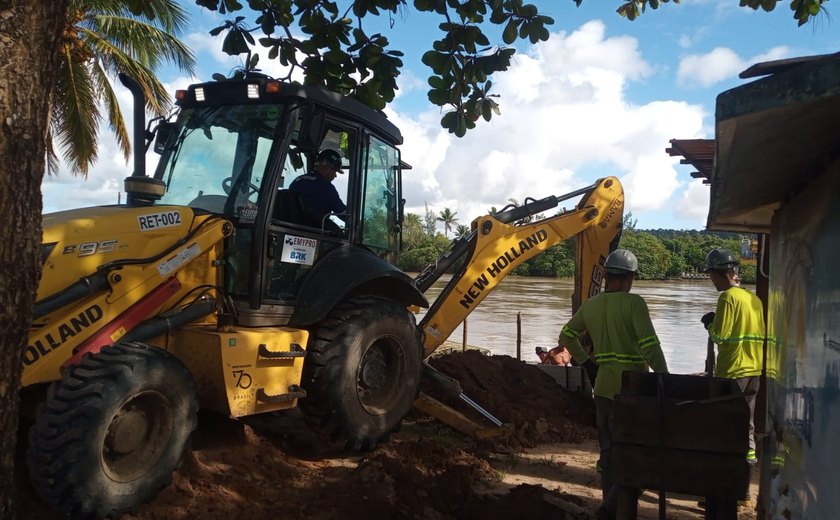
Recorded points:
(545, 305)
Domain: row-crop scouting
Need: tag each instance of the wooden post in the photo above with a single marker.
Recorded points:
(762, 290)
(464, 339)
(519, 336)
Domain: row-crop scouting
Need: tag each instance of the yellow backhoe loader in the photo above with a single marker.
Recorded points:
(214, 285)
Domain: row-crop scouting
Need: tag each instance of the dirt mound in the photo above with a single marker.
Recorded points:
(518, 394)
(271, 467)
(412, 479)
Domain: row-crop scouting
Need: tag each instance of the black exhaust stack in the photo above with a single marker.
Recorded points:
(140, 190)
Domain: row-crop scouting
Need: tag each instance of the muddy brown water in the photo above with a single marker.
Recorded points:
(545, 305)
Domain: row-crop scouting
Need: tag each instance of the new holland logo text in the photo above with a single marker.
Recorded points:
(500, 265)
(58, 336)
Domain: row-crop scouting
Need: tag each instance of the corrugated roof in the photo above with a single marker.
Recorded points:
(771, 137)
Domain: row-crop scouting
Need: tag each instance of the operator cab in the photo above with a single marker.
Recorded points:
(234, 151)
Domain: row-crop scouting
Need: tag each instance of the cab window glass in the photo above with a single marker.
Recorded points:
(218, 161)
(304, 185)
(380, 197)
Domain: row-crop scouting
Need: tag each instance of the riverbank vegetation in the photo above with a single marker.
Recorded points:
(662, 253)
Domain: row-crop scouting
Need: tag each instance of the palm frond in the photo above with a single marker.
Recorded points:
(107, 38)
(171, 16)
(52, 160)
(75, 116)
(114, 60)
(112, 110)
(141, 41)
(166, 14)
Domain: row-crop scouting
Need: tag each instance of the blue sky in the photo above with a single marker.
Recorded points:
(602, 97)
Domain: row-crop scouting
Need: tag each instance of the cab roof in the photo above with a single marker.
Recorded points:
(253, 90)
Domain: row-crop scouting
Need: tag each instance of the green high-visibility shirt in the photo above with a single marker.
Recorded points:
(622, 335)
(738, 329)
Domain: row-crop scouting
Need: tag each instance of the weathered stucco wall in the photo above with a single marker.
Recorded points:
(803, 312)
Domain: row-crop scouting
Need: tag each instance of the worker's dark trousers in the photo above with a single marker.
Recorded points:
(749, 385)
(604, 422)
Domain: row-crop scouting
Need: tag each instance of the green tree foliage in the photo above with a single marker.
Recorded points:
(662, 253)
(628, 223)
(556, 262)
(462, 231)
(693, 246)
(413, 233)
(803, 10)
(430, 249)
(676, 266)
(430, 222)
(448, 218)
(747, 273)
(101, 39)
(654, 258)
(338, 53)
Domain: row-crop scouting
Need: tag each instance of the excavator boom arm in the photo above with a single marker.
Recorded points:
(496, 246)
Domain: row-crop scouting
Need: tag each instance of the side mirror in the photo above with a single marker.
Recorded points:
(164, 134)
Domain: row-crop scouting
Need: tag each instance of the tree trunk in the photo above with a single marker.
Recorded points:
(30, 35)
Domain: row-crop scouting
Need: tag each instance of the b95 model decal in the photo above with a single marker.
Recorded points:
(91, 248)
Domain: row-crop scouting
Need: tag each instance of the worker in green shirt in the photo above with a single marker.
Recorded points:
(737, 326)
(623, 338)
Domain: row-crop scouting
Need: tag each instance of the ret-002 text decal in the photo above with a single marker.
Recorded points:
(160, 220)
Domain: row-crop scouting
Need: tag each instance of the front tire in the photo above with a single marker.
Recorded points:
(362, 371)
(112, 431)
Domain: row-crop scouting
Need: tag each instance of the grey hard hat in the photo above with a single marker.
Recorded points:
(621, 261)
(720, 259)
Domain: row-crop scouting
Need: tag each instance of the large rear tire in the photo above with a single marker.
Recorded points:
(112, 431)
(362, 371)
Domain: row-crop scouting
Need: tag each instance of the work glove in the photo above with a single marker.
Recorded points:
(707, 319)
(591, 370)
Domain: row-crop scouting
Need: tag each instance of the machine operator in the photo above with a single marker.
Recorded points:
(319, 195)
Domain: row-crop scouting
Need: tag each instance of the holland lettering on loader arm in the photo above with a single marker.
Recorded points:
(502, 264)
(595, 224)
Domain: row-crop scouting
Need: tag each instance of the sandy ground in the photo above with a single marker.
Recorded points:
(270, 467)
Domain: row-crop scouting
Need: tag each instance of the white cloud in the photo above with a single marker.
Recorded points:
(218, 61)
(565, 121)
(710, 68)
(409, 82)
(203, 43)
(694, 203)
(720, 64)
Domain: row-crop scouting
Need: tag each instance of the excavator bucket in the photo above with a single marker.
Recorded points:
(457, 420)
(452, 417)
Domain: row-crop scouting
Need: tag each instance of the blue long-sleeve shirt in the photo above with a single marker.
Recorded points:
(319, 195)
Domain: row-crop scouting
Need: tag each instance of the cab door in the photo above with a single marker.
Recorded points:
(296, 240)
(381, 206)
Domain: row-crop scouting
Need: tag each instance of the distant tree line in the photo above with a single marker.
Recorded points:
(662, 253)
